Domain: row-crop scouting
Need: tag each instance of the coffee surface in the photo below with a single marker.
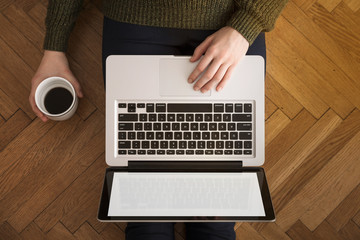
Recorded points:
(58, 100)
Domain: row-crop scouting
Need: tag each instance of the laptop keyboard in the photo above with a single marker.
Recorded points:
(185, 128)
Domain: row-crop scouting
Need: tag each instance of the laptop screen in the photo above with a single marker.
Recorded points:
(182, 196)
(185, 194)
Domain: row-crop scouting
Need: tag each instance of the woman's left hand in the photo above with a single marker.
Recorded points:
(223, 51)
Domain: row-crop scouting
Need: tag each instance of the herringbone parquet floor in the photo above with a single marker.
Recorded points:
(51, 174)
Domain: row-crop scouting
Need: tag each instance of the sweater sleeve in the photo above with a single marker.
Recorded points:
(60, 20)
(254, 16)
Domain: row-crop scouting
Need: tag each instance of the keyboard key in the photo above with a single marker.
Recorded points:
(173, 144)
(141, 152)
(199, 152)
(229, 144)
(222, 126)
(185, 126)
(128, 117)
(247, 107)
(238, 107)
(162, 117)
(205, 135)
(131, 107)
(166, 126)
(150, 152)
(168, 135)
(247, 152)
(234, 135)
(238, 152)
(171, 117)
(178, 135)
(159, 135)
(164, 144)
(194, 126)
(189, 152)
(231, 126)
(210, 144)
(126, 126)
(122, 135)
(122, 152)
(227, 117)
(187, 135)
(148, 126)
(218, 107)
(241, 117)
(229, 107)
(209, 152)
(131, 152)
(140, 135)
(201, 144)
(180, 117)
(170, 152)
(149, 135)
(228, 152)
(247, 144)
(245, 135)
(175, 126)
(196, 135)
(180, 152)
(189, 117)
(212, 126)
(244, 126)
(154, 144)
(192, 144)
(149, 107)
(189, 107)
(220, 144)
(199, 117)
(160, 107)
(208, 117)
(131, 135)
(182, 144)
(238, 144)
(157, 126)
(224, 135)
(152, 117)
(138, 126)
(218, 152)
(135, 144)
(160, 152)
(143, 117)
(203, 126)
(217, 117)
(215, 135)
(140, 105)
(122, 105)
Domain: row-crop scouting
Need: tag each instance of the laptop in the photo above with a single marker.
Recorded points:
(175, 154)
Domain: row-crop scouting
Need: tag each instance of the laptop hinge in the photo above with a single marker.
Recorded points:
(185, 165)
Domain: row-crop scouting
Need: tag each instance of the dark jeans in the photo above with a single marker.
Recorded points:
(129, 39)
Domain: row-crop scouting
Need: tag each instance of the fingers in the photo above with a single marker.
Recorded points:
(201, 49)
(76, 85)
(36, 109)
(208, 76)
(205, 61)
(216, 79)
(226, 78)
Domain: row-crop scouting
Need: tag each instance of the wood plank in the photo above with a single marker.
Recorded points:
(339, 176)
(85, 108)
(26, 139)
(286, 169)
(24, 49)
(287, 138)
(329, 5)
(59, 232)
(7, 106)
(33, 232)
(304, 4)
(282, 98)
(57, 183)
(289, 81)
(94, 17)
(313, 56)
(84, 192)
(38, 14)
(308, 74)
(13, 127)
(356, 219)
(25, 25)
(245, 231)
(346, 210)
(7, 232)
(350, 231)
(353, 4)
(270, 108)
(326, 231)
(87, 232)
(271, 231)
(274, 125)
(19, 187)
(15, 90)
(300, 232)
(112, 232)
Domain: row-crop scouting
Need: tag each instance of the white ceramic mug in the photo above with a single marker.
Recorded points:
(51, 83)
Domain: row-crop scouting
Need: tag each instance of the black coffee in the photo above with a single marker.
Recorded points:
(58, 100)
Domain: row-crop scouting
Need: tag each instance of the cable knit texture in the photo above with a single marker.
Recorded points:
(249, 17)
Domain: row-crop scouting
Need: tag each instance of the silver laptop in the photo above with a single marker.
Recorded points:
(176, 154)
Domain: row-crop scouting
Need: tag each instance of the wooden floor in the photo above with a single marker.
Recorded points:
(51, 174)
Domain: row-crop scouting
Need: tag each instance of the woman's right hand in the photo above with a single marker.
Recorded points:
(52, 64)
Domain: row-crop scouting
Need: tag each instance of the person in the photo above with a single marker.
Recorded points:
(215, 33)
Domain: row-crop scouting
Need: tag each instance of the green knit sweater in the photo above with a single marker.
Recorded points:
(249, 17)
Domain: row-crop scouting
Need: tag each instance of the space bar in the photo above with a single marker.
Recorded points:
(189, 107)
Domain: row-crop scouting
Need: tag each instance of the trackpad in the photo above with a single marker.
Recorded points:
(173, 78)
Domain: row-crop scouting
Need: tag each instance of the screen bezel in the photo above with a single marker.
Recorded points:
(264, 189)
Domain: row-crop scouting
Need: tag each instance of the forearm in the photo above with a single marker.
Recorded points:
(60, 20)
(254, 16)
